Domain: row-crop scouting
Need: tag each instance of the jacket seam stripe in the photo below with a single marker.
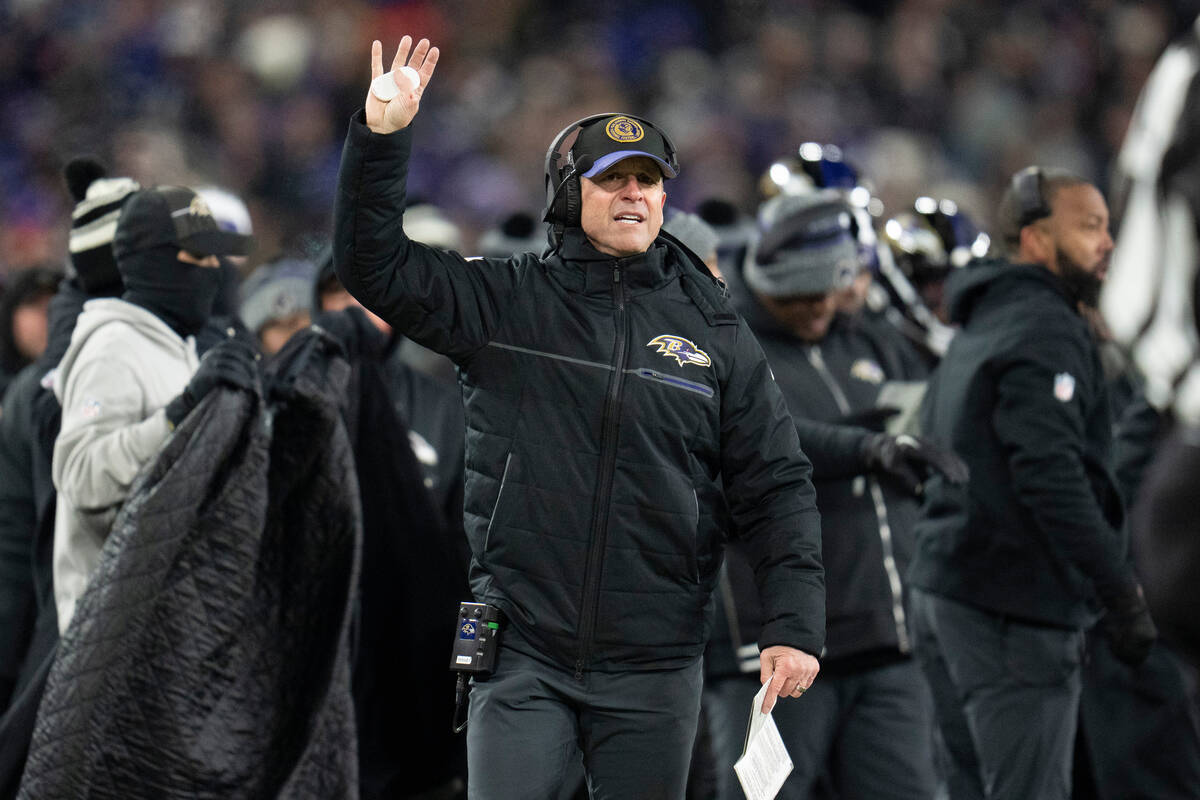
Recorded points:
(555, 356)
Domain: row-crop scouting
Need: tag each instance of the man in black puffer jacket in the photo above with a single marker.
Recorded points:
(1010, 570)
(607, 385)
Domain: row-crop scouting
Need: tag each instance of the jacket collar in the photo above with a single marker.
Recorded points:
(997, 278)
(583, 268)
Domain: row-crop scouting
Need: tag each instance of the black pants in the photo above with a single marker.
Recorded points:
(1007, 699)
(872, 731)
(529, 723)
(1139, 726)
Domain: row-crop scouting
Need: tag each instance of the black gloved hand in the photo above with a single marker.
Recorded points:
(910, 460)
(1128, 626)
(230, 363)
(353, 330)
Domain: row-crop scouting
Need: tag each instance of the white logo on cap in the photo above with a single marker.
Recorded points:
(199, 207)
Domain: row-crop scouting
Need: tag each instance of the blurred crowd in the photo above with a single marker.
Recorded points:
(925, 96)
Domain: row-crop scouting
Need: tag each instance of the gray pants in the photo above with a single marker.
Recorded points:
(529, 723)
(872, 731)
(1007, 699)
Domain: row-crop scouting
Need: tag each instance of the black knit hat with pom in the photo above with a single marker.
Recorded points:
(98, 205)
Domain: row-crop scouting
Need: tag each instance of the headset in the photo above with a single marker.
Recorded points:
(563, 196)
(1031, 201)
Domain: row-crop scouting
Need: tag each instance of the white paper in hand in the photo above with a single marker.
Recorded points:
(765, 763)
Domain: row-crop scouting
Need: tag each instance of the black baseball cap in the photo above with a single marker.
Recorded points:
(174, 215)
(617, 137)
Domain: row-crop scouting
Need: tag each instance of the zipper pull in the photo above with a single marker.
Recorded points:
(616, 274)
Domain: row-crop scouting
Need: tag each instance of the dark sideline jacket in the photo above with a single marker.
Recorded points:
(1021, 397)
(603, 398)
(866, 519)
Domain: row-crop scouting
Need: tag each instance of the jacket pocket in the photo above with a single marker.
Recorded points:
(673, 381)
(499, 499)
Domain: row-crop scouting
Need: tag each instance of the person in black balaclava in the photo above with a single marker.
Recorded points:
(131, 373)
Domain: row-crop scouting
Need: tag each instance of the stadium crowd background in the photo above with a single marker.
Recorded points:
(923, 96)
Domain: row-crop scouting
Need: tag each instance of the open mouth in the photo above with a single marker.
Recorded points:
(630, 219)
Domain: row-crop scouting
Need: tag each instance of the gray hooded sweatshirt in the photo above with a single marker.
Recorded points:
(123, 366)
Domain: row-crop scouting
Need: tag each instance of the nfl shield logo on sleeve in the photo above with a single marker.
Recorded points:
(1064, 386)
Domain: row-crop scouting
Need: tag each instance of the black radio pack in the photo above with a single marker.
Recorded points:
(477, 639)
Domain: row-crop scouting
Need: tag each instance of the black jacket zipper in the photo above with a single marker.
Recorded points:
(589, 608)
(881, 511)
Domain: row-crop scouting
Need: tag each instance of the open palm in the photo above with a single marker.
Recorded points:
(391, 116)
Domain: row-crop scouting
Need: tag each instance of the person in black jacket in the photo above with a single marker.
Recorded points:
(869, 723)
(607, 385)
(407, 433)
(29, 420)
(1010, 570)
(23, 329)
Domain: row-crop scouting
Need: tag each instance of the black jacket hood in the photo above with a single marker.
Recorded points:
(967, 288)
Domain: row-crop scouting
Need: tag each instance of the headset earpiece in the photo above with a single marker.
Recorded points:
(1031, 201)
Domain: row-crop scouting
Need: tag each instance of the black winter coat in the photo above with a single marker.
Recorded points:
(603, 398)
(866, 520)
(1021, 397)
(29, 420)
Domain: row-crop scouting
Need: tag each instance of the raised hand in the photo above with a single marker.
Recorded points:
(392, 115)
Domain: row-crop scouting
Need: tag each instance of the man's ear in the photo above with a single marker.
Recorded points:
(1035, 245)
(663, 204)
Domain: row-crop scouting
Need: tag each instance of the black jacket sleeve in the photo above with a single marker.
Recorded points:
(437, 298)
(768, 486)
(1040, 420)
(18, 522)
(836, 451)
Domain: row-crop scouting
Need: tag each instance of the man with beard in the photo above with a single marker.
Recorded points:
(131, 373)
(1011, 569)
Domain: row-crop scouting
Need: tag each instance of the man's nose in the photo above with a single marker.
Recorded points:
(631, 187)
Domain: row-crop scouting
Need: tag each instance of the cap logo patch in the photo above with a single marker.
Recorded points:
(199, 207)
(680, 349)
(623, 129)
(1064, 387)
